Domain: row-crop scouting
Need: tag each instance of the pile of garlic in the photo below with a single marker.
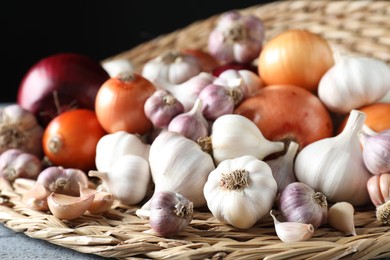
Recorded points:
(200, 154)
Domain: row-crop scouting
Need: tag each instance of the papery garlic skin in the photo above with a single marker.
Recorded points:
(127, 179)
(300, 203)
(283, 166)
(172, 67)
(354, 82)
(112, 146)
(334, 166)
(170, 213)
(341, 217)
(236, 38)
(234, 135)
(376, 151)
(240, 191)
(292, 231)
(179, 164)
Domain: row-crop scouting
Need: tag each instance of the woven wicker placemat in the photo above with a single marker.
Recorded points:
(351, 27)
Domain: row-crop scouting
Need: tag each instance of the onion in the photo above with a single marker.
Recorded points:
(59, 83)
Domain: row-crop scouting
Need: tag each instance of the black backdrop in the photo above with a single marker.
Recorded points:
(31, 30)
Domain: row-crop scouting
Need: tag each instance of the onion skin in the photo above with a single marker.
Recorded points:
(71, 78)
(287, 112)
(378, 117)
(295, 57)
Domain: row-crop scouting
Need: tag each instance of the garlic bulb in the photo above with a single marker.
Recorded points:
(292, 231)
(118, 66)
(171, 67)
(191, 124)
(300, 203)
(240, 191)
(248, 81)
(378, 187)
(354, 82)
(187, 92)
(234, 135)
(376, 151)
(19, 129)
(170, 213)
(161, 107)
(179, 164)
(127, 179)
(218, 100)
(340, 217)
(236, 38)
(283, 166)
(112, 146)
(334, 166)
(63, 181)
(14, 163)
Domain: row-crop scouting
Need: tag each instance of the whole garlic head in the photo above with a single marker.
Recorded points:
(240, 191)
(236, 38)
(172, 67)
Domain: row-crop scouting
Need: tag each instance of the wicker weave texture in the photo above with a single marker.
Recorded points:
(351, 27)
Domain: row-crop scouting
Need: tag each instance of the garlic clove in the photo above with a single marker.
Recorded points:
(283, 166)
(292, 231)
(102, 201)
(36, 197)
(68, 207)
(340, 217)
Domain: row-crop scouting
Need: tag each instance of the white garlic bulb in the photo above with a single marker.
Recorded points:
(240, 191)
(234, 135)
(354, 82)
(171, 67)
(334, 166)
(179, 164)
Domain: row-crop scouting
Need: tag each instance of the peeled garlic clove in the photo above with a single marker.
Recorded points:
(101, 202)
(292, 231)
(36, 197)
(68, 207)
(340, 217)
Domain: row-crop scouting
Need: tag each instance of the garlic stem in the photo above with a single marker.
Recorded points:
(354, 124)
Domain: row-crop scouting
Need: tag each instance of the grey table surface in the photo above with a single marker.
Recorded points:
(16, 245)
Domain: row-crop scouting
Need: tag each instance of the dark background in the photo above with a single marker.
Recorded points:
(32, 30)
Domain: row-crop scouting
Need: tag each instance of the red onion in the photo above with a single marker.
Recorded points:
(60, 82)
